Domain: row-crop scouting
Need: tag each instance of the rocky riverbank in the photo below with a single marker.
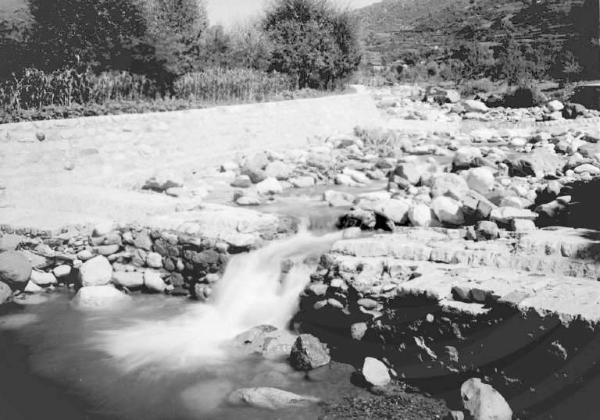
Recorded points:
(470, 252)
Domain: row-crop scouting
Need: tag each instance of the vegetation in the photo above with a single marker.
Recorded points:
(312, 41)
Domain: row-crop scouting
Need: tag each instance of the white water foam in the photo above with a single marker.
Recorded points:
(252, 292)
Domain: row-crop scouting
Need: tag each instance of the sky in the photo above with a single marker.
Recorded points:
(228, 12)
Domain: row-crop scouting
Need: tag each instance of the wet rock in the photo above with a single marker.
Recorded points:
(448, 211)
(5, 292)
(587, 167)
(269, 186)
(357, 217)
(163, 181)
(107, 250)
(482, 402)
(85, 255)
(43, 279)
(245, 200)
(278, 170)
(338, 198)
(269, 398)
(254, 167)
(100, 298)
(242, 181)
(308, 353)
(95, 272)
(128, 279)
(375, 373)
(481, 180)
(343, 179)
(555, 106)
(358, 330)
(15, 269)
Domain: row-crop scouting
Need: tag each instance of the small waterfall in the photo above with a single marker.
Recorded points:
(253, 291)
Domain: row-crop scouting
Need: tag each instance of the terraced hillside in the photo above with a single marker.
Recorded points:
(400, 25)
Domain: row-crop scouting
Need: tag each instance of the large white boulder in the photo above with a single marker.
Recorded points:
(483, 402)
(481, 180)
(100, 298)
(375, 372)
(269, 186)
(448, 210)
(95, 272)
(420, 215)
(15, 269)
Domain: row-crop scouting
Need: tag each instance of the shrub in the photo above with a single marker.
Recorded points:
(524, 97)
(312, 41)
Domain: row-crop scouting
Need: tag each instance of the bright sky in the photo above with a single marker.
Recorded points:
(227, 12)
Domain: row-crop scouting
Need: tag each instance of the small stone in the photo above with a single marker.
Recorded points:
(555, 106)
(421, 215)
(95, 272)
(278, 170)
(103, 229)
(85, 255)
(472, 105)
(69, 165)
(410, 171)
(375, 372)
(5, 292)
(100, 298)
(154, 260)
(40, 136)
(269, 398)
(308, 353)
(587, 167)
(107, 250)
(487, 230)
(302, 181)
(358, 330)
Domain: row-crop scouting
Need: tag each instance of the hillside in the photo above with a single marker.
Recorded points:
(393, 26)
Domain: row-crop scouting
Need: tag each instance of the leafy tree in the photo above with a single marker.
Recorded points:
(570, 66)
(175, 28)
(215, 48)
(312, 41)
(250, 47)
(101, 34)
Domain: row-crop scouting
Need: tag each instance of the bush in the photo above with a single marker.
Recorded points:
(525, 97)
(312, 41)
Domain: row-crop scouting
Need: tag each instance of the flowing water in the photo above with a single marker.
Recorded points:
(160, 358)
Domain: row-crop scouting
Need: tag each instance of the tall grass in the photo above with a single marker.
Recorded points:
(219, 85)
(34, 89)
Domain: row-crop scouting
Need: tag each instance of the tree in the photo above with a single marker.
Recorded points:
(312, 41)
(100, 34)
(570, 66)
(175, 28)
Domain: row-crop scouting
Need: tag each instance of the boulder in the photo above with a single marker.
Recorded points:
(421, 215)
(482, 402)
(302, 181)
(448, 210)
(522, 225)
(338, 198)
(269, 186)
(154, 260)
(410, 171)
(308, 353)
(95, 272)
(467, 157)
(487, 230)
(5, 292)
(451, 185)
(539, 163)
(267, 341)
(555, 106)
(254, 167)
(10, 242)
(62, 271)
(41, 278)
(163, 181)
(395, 210)
(99, 298)
(128, 279)
(154, 282)
(269, 398)
(481, 180)
(15, 269)
(278, 170)
(375, 373)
